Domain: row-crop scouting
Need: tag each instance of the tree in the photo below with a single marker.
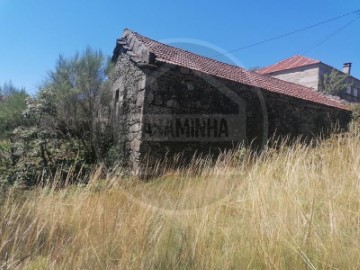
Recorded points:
(12, 103)
(334, 82)
(64, 132)
(77, 89)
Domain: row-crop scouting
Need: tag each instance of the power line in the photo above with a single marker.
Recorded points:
(292, 32)
(331, 35)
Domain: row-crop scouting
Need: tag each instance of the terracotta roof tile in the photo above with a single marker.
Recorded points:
(289, 63)
(168, 54)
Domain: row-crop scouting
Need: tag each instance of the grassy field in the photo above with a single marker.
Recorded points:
(295, 207)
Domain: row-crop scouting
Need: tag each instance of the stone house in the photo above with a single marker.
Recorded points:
(167, 101)
(309, 72)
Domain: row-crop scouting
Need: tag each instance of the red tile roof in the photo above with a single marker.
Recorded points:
(292, 62)
(168, 54)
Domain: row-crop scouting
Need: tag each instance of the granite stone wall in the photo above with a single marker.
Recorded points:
(291, 117)
(173, 92)
(128, 99)
(162, 111)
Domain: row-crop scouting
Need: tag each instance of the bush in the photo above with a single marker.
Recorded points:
(12, 104)
(355, 112)
(61, 133)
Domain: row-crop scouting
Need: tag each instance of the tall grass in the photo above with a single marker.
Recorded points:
(293, 207)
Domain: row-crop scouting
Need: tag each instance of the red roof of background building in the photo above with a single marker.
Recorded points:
(290, 63)
(168, 54)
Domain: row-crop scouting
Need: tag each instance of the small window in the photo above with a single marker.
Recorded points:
(117, 94)
(355, 92)
(348, 90)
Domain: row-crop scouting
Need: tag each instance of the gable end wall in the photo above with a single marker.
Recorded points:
(307, 76)
(128, 87)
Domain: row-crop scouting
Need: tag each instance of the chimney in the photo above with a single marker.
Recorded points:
(347, 68)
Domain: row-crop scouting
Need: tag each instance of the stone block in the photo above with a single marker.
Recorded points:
(184, 70)
(135, 127)
(158, 100)
(135, 145)
(142, 83)
(140, 99)
(172, 104)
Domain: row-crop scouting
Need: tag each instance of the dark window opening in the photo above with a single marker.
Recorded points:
(117, 93)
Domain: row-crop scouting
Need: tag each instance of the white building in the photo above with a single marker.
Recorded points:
(309, 72)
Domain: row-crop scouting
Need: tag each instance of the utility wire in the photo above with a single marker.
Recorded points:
(292, 32)
(331, 35)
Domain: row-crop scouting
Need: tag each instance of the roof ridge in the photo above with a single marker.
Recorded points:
(186, 51)
(296, 58)
(223, 63)
(278, 62)
(165, 53)
(241, 68)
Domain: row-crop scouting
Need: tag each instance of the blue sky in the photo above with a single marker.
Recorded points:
(34, 33)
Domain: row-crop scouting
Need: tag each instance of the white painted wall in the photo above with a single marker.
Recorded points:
(309, 76)
(306, 76)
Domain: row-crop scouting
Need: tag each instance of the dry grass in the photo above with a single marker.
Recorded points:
(295, 207)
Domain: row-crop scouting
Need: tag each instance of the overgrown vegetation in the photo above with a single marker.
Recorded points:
(334, 82)
(12, 104)
(294, 207)
(57, 128)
